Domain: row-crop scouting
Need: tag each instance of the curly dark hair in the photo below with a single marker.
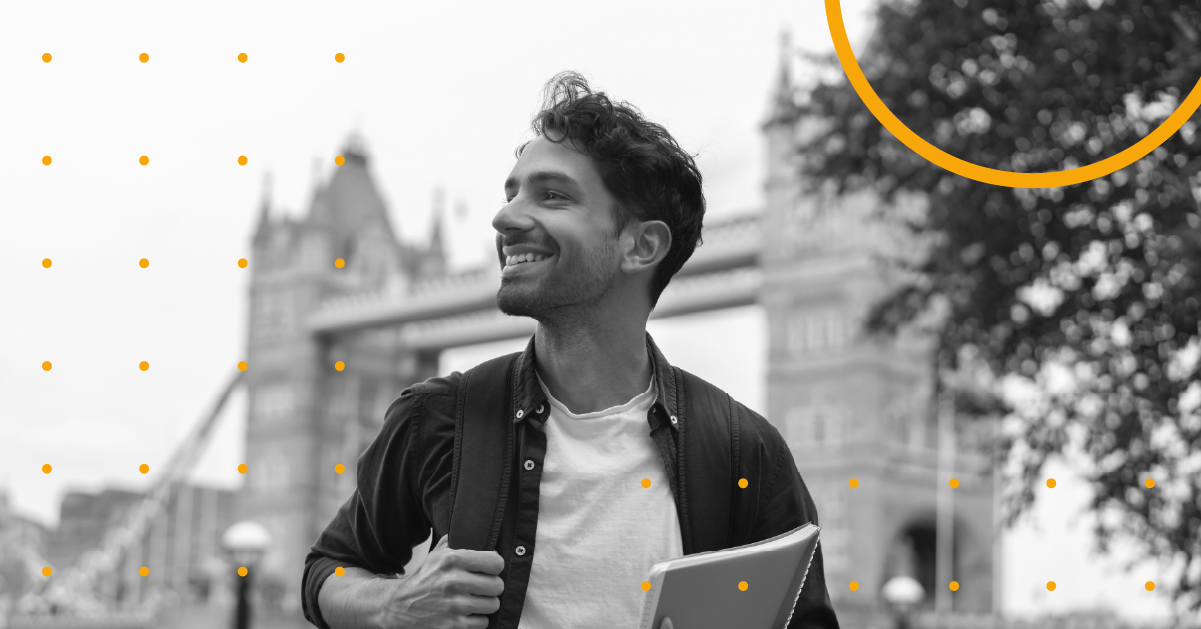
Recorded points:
(649, 175)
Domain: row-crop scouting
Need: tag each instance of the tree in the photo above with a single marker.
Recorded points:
(1088, 294)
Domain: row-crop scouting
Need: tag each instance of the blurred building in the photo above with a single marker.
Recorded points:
(23, 544)
(182, 543)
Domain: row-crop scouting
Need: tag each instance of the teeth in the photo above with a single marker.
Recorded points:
(524, 257)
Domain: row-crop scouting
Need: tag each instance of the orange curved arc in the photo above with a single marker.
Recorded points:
(990, 175)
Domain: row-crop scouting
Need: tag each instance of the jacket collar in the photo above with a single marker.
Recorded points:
(532, 403)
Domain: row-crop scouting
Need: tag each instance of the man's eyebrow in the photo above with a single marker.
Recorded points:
(543, 176)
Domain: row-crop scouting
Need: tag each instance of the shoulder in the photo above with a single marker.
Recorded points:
(752, 426)
(438, 385)
(435, 394)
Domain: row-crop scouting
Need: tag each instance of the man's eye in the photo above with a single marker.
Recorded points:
(549, 192)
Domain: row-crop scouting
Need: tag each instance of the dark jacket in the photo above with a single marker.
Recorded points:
(404, 480)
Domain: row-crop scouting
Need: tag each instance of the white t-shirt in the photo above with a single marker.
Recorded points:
(599, 529)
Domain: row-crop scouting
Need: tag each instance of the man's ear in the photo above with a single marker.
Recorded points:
(651, 240)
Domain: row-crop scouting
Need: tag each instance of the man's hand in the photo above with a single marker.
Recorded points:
(666, 624)
(451, 589)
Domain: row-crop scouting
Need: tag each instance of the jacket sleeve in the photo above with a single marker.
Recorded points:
(787, 505)
(378, 526)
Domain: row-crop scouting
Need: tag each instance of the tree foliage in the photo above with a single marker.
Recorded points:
(1086, 295)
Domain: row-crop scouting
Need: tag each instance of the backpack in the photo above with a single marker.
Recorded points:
(718, 513)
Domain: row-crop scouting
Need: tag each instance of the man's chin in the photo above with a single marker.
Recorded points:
(516, 305)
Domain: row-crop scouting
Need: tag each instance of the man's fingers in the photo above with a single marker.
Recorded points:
(482, 605)
(666, 624)
(483, 585)
(486, 561)
(443, 543)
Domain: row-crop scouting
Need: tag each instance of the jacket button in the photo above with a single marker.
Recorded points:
(529, 465)
(520, 414)
(673, 419)
(539, 411)
(520, 550)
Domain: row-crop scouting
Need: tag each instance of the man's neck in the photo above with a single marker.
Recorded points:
(592, 367)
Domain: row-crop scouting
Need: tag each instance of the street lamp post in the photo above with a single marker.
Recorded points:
(903, 593)
(245, 543)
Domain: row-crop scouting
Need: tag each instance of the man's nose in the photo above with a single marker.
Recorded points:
(512, 217)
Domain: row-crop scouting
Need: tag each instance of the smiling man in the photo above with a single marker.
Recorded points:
(601, 209)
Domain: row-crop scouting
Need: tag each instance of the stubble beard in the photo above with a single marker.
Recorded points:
(559, 297)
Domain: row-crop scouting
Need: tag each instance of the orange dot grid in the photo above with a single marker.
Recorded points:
(339, 468)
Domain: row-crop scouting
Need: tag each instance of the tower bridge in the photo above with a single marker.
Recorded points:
(849, 407)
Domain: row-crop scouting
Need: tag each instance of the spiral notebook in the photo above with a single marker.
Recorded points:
(703, 589)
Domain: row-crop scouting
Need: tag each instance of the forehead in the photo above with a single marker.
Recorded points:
(542, 155)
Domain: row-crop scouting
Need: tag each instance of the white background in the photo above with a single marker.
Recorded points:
(443, 93)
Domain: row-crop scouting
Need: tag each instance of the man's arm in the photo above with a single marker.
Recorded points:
(786, 505)
(375, 530)
(349, 600)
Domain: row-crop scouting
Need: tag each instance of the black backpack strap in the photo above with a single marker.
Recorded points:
(708, 432)
(484, 443)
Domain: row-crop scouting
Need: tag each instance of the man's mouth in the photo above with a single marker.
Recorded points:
(524, 260)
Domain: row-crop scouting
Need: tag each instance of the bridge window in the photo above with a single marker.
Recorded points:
(274, 400)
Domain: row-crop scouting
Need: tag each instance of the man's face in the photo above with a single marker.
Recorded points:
(559, 210)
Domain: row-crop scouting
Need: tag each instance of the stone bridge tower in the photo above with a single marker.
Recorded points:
(305, 415)
(851, 407)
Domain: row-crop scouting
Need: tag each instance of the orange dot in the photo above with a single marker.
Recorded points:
(242, 571)
(143, 468)
(46, 365)
(1051, 586)
(339, 160)
(46, 262)
(854, 585)
(46, 468)
(143, 365)
(340, 571)
(46, 160)
(242, 365)
(646, 586)
(339, 468)
(1150, 585)
(144, 571)
(954, 483)
(646, 482)
(143, 263)
(1050, 482)
(854, 483)
(339, 263)
(242, 468)
(46, 58)
(1150, 483)
(339, 57)
(242, 262)
(143, 160)
(339, 365)
(144, 58)
(742, 482)
(742, 585)
(242, 57)
(46, 571)
(242, 160)
(954, 586)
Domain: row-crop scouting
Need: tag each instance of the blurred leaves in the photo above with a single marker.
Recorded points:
(1082, 301)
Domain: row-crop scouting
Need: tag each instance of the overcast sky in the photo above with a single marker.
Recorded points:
(442, 93)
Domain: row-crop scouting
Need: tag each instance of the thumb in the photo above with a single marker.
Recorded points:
(666, 624)
(444, 542)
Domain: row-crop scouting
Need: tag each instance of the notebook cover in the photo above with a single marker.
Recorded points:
(701, 590)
